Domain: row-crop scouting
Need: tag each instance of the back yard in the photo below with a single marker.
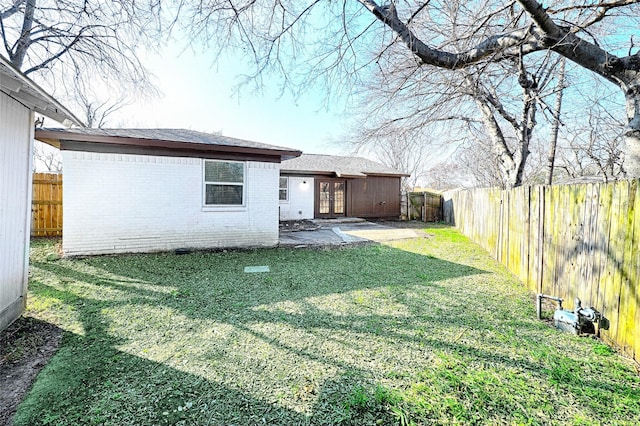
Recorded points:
(422, 331)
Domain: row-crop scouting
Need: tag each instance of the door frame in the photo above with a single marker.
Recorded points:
(316, 203)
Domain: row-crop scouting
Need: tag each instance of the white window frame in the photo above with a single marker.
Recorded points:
(205, 183)
(286, 200)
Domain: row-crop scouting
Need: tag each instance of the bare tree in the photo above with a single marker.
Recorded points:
(496, 108)
(564, 29)
(97, 111)
(447, 175)
(46, 158)
(339, 41)
(511, 158)
(72, 44)
(595, 149)
(401, 153)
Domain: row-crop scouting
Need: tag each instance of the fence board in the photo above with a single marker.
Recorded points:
(627, 308)
(615, 254)
(552, 228)
(424, 206)
(634, 279)
(570, 241)
(577, 258)
(46, 208)
(634, 339)
(536, 239)
(591, 257)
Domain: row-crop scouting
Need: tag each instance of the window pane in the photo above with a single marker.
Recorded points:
(224, 194)
(338, 199)
(283, 182)
(284, 187)
(324, 205)
(222, 171)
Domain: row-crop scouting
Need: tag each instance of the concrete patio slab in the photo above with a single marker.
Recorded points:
(337, 233)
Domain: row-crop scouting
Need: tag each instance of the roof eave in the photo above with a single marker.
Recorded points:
(348, 175)
(14, 83)
(351, 175)
(54, 138)
(388, 174)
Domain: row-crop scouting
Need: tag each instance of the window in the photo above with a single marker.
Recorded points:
(223, 183)
(284, 189)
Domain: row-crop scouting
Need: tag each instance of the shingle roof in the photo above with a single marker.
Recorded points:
(176, 139)
(340, 165)
(172, 135)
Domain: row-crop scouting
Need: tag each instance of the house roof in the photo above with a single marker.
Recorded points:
(18, 86)
(337, 165)
(179, 142)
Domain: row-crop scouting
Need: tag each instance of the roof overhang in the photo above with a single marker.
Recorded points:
(344, 167)
(388, 174)
(65, 140)
(19, 87)
(339, 174)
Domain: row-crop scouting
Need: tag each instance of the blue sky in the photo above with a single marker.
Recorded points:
(199, 93)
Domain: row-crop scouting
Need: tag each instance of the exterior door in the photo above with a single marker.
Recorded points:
(330, 198)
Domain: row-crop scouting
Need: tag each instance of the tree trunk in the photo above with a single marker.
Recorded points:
(555, 127)
(632, 132)
(526, 131)
(504, 158)
(22, 45)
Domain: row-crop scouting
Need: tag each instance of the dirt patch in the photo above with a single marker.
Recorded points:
(25, 347)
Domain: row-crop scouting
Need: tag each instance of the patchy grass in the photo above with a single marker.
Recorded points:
(425, 331)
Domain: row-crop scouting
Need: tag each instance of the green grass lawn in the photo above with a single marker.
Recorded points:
(425, 331)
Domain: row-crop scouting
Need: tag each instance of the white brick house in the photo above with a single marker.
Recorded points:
(143, 190)
(19, 99)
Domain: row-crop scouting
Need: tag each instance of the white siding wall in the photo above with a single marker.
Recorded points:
(16, 127)
(116, 203)
(300, 203)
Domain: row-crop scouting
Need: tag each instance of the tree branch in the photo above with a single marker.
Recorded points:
(11, 9)
(492, 46)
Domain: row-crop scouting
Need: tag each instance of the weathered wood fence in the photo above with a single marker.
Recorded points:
(46, 205)
(568, 241)
(424, 206)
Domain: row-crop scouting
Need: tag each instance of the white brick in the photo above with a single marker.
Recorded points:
(117, 203)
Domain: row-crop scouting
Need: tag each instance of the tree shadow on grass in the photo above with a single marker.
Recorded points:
(90, 381)
(329, 298)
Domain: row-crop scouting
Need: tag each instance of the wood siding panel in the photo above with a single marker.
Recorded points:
(15, 190)
(374, 196)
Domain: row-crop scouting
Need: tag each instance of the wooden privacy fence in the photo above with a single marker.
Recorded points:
(46, 207)
(568, 241)
(424, 206)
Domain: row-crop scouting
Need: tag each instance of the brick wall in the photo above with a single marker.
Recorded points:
(116, 203)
